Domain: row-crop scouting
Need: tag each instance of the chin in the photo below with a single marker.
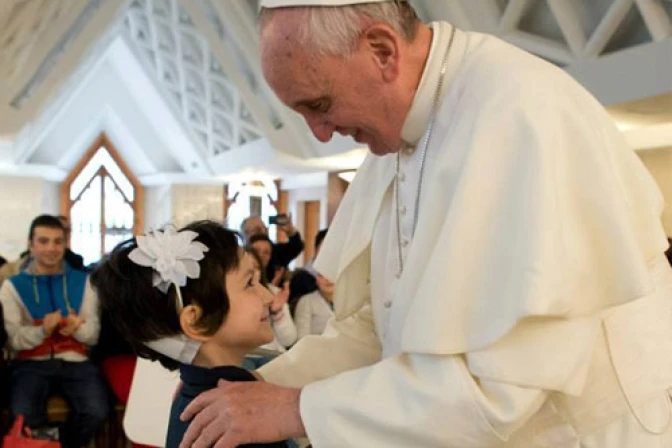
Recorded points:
(267, 335)
(267, 339)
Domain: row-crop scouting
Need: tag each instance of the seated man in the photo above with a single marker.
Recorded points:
(51, 317)
(282, 253)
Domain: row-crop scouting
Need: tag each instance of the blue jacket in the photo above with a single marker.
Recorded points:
(50, 291)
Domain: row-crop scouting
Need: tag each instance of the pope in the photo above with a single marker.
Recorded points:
(498, 260)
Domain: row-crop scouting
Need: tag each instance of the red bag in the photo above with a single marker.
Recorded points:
(16, 439)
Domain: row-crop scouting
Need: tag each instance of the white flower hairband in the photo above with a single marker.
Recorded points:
(174, 257)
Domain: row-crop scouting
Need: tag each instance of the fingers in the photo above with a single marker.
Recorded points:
(200, 431)
(196, 406)
(202, 401)
(228, 440)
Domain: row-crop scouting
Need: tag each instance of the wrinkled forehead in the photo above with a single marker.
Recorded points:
(282, 51)
(294, 74)
(281, 24)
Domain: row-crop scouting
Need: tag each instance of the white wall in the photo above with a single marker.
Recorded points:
(158, 207)
(21, 200)
(193, 202)
(51, 197)
(24, 198)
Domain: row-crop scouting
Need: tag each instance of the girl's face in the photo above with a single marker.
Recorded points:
(247, 325)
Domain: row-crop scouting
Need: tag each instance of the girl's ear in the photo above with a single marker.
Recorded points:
(189, 323)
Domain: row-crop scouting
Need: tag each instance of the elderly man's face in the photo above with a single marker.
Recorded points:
(350, 96)
(254, 226)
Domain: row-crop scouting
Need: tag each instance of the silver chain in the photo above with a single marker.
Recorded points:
(423, 154)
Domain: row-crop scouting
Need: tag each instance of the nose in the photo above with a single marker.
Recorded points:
(322, 130)
(265, 294)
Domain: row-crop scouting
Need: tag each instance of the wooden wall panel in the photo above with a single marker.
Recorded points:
(336, 188)
(311, 226)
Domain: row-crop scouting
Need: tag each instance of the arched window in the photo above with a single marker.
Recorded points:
(250, 198)
(102, 199)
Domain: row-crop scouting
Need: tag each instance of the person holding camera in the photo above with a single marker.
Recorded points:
(282, 253)
(51, 317)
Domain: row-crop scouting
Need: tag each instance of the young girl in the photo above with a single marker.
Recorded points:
(191, 300)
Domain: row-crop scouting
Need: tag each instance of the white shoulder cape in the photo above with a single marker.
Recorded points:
(536, 207)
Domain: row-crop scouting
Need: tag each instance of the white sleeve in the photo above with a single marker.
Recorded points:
(284, 328)
(302, 316)
(22, 333)
(415, 400)
(345, 345)
(89, 331)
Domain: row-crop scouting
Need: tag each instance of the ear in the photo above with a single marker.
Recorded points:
(384, 45)
(189, 323)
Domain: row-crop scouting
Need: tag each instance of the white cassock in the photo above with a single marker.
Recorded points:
(535, 305)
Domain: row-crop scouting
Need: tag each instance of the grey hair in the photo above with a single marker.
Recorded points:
(335, 31)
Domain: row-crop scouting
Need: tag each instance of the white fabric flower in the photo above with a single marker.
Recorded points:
(174, 256)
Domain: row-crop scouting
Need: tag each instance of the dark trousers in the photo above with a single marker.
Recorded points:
(81, 385)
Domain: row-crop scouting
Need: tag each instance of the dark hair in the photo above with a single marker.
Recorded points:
(49, 221)
(142, 313)
(259, 237)
(3, 261)
(320, 237)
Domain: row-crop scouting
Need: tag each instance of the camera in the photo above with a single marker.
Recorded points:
(279, 220)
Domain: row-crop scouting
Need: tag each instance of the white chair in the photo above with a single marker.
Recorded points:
(149, 402)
